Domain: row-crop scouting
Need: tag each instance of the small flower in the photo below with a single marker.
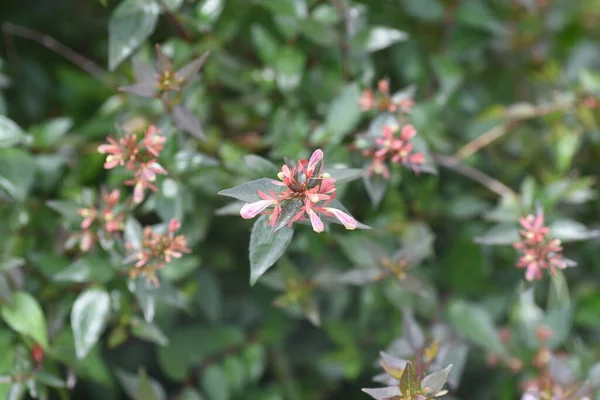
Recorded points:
(138, 156)
(396, 149)
(347, 220)
(537, 251)
(383, 100)
(307, 190)
(251, 210)
(157, 250)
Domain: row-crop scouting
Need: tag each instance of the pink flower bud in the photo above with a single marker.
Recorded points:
(315, 221)
(316, 157)
(347, 220)
(174, 226)
(251, 210)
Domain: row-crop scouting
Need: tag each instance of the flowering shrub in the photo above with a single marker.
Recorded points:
(417, 198)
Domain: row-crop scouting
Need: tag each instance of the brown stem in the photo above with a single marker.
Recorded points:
(474, 174)
(500, 130)
(342, 9)
(176, 21)
(52, 44)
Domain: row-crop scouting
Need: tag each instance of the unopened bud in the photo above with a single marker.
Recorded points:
(543, 333)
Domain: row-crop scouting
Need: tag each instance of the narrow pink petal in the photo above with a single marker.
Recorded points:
(174, 225)
(251, 210)
(532, 272)
(347, 220)
(138, 193)
(316, 222)
(408, 132)
(317, 156)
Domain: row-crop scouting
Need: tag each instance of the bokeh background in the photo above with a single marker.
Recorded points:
(530, 69)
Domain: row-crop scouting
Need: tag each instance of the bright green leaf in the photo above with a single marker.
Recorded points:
(26, 316)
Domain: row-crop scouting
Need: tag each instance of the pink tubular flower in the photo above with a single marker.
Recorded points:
(537, 251)
(398, 150)
(251, 210)
(307, 190)
(158, 250)
(347, 220)
(383, 100)
(138, 156)
(100, 223)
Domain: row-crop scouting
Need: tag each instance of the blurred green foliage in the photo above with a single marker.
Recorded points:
(506, 98)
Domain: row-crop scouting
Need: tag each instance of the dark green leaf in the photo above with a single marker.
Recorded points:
(266, 247)
(474, 323)
(344, 113)
(247, 192)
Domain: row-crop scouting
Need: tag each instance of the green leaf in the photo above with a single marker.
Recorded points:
(568, 230)
(148, 331)
(48, 133)
(248, 192)
(145, 389)
(425, 10)
(89, 317)
(138, 386)
(434, 383)
(381, 37)
(25, 316)
(342, 175)
(5, 292)
(344, 113)
(17, 173)
(392, 392)
(190, 394)
(474, 323)
(255, 358)
(289, 68)
(409, 382)
(130, 24)
(501, 234)
(260, 166)
(411, 330)
(10, 133)
(215, 384)
(266, 247)
(176, 358)
(86, 269)
(376, 186)
(264, 43)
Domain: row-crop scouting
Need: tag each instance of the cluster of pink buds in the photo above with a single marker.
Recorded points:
(307, 191)
(538, 252)
(107, 219)
(139, 156)
(396, 149)
(382, 100)
(157, 250)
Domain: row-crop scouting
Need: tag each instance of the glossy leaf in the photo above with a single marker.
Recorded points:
(131, 23)
(89, 317)
(266, 247)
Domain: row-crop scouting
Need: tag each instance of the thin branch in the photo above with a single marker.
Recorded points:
(52, 44)
(176, 21)
(500, 130)
(341, 7)
(476, 175)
